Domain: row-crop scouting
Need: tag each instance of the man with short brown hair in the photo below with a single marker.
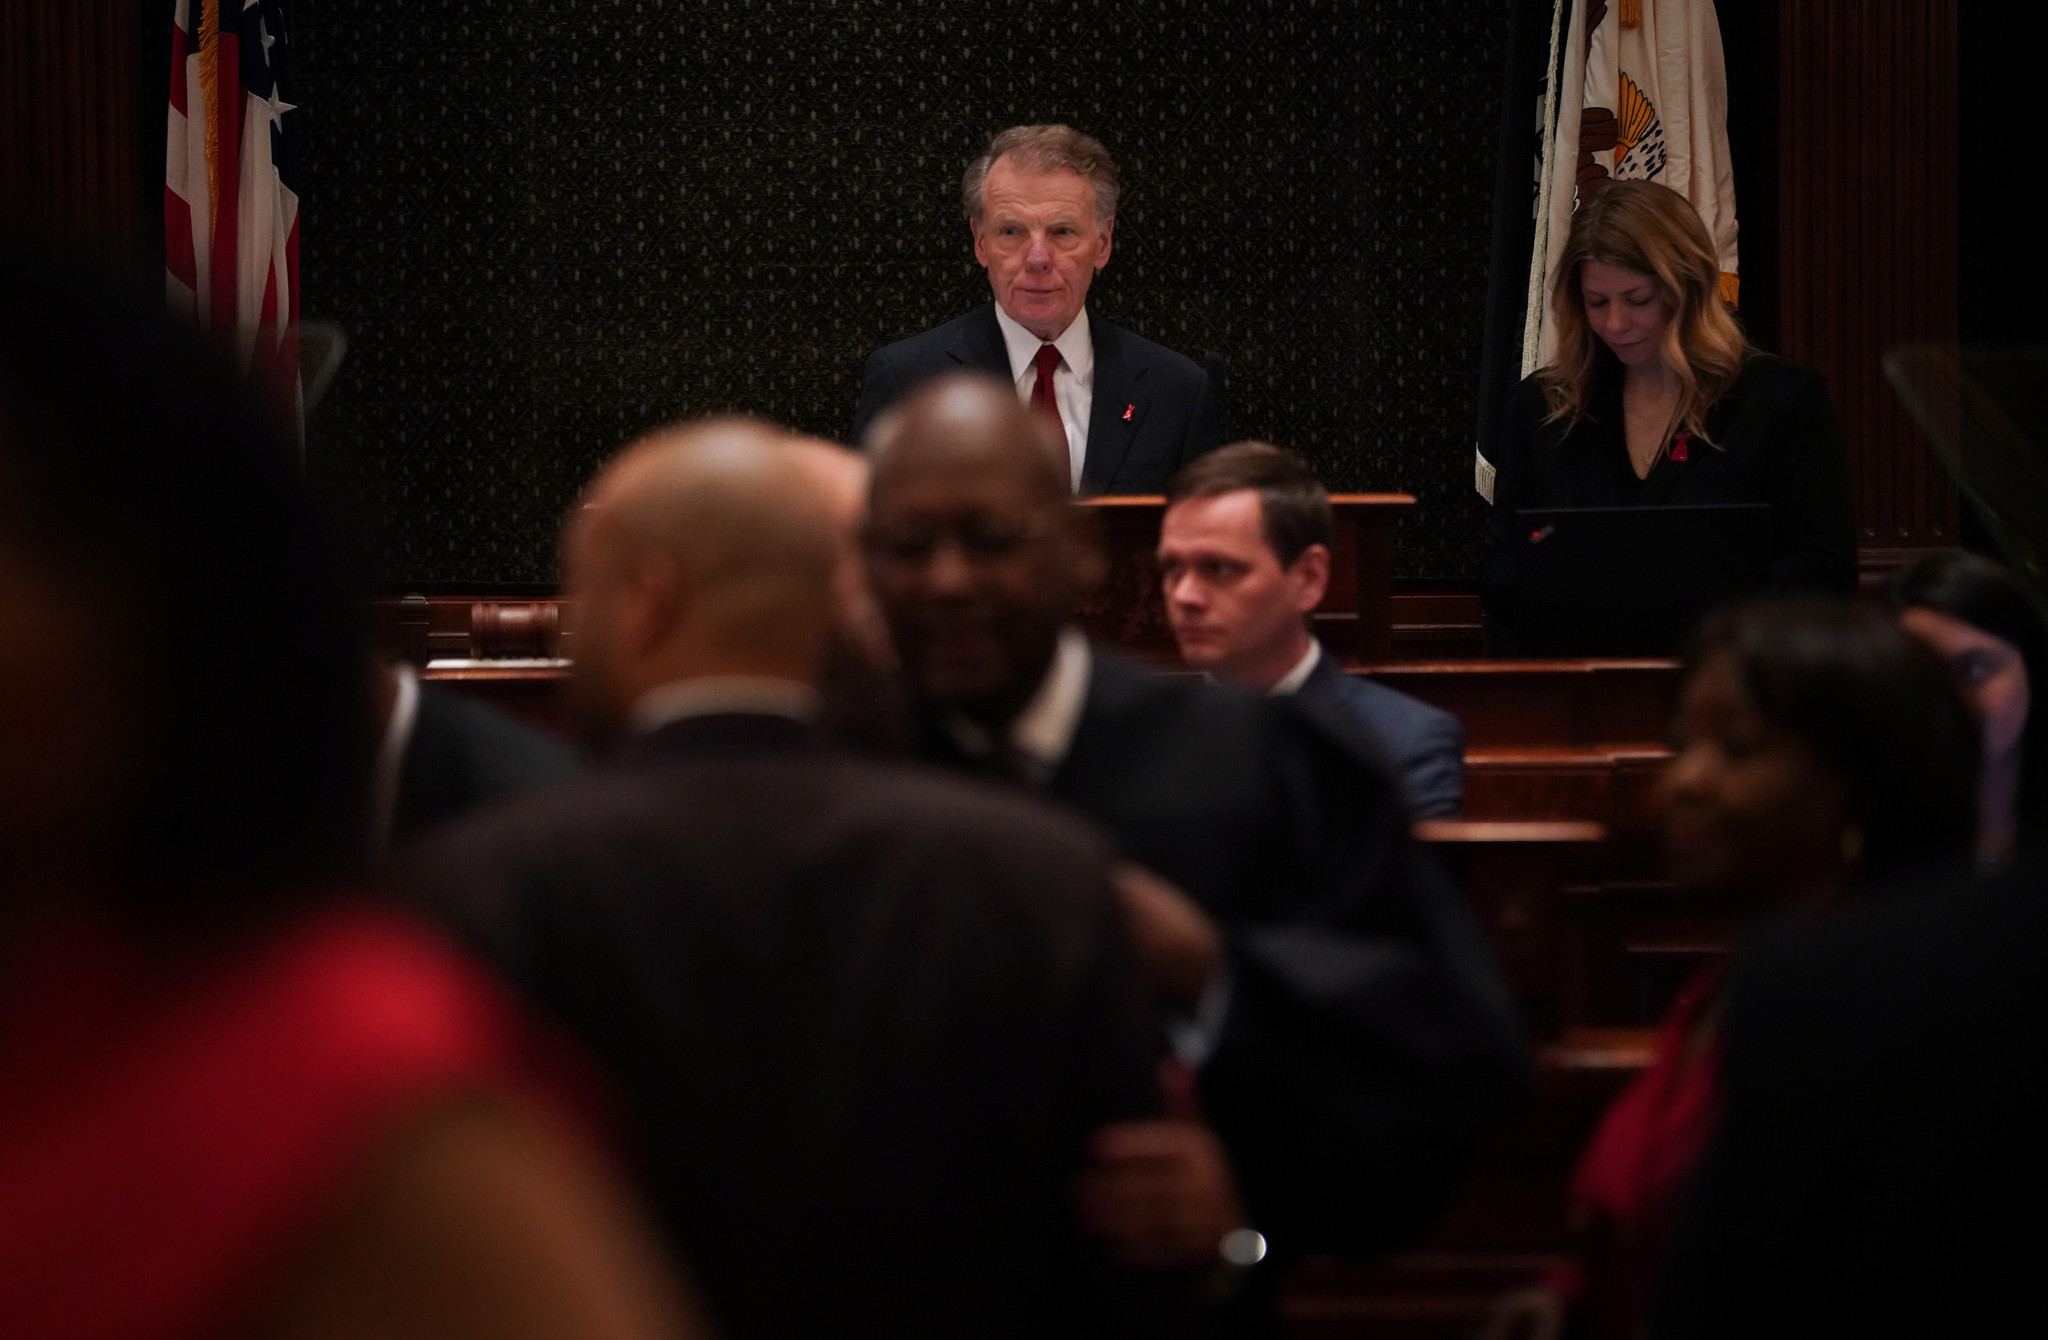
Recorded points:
(1041, 203)
(1244, 556)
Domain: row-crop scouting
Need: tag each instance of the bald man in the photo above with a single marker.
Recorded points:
(1340, 1003)
(843, 476)
(864, 1018)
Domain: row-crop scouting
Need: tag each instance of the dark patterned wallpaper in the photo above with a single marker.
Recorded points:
(548, 226)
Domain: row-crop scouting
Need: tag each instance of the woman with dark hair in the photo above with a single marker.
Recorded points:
(232, 1097)
(1654, 397)
(1821, 754)
(1988, 629)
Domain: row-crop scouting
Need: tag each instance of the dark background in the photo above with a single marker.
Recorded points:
(549, 226)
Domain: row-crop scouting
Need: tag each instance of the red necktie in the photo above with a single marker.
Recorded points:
(1042, 398)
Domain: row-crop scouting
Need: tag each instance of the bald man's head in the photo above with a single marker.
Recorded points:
(975, 550)
(975, 422)
(701, 550)
(844, 476)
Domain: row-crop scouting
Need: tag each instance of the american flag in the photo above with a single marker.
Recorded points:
(231, 175)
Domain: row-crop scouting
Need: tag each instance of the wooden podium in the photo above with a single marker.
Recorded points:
(1353, 621)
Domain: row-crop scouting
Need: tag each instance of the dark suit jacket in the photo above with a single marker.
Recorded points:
(1881, 1163)
(463, 754)
(863, 1016)
(1774, 441)
(1369, 1039)
(1153, 412)
(1425, 744)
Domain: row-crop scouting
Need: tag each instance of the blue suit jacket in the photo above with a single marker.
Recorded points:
(1425, 744)
(1154, 411)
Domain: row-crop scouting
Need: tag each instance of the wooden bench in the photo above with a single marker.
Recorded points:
(1554, 740)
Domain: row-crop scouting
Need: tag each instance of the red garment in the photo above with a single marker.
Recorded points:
(174, 1126)
(1633, 1176)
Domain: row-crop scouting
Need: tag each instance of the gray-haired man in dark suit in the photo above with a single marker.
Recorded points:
(1041, 202)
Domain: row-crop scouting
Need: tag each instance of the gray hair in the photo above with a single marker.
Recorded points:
(1045, 149)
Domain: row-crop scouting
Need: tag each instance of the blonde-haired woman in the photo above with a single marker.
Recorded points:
(1656, 398)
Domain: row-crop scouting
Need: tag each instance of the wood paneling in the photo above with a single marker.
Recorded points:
(1546, 704)
(68, 130)
(1867, 233)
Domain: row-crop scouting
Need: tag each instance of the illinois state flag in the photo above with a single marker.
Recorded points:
(1643, 93)
(231, 203)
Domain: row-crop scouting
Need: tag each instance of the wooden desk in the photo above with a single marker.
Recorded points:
(1515, 875)
(1354, 621)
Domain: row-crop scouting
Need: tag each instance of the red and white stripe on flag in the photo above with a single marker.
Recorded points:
(231, 213)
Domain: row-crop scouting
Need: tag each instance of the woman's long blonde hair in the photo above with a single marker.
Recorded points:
(1653, 230)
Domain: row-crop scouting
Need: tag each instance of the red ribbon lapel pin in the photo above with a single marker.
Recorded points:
(1678, 447)
(1128, 411)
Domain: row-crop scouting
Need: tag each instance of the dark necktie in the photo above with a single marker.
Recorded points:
(1042, 398)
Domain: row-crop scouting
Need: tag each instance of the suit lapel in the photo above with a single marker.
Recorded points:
(980, 344)
(1116, 411)
(1326, 670)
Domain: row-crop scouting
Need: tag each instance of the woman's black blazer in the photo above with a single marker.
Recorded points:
(1772, 440)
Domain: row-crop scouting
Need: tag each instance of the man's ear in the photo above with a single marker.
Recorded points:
(1108, 232)
(650, 606)
(1310, 577)
(981, 256)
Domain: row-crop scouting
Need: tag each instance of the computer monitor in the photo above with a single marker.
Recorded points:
(1631, 581)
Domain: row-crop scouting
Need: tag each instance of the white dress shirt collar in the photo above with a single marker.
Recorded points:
(714, 695)
(1075, 347)
(1044, 731)
(1292, 681)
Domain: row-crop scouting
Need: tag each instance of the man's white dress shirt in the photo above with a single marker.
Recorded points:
(1073, 383)
(1042, 735)
(390, 764)
(1292, 681)
(1044, 731)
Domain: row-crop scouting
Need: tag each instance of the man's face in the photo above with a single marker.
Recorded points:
(1230, 603)
(1041, 243)
(974, 567)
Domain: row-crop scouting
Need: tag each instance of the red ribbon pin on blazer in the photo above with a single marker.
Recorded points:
(1128, 411)
(1678, 447)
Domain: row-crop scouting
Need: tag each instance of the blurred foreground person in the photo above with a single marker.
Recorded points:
(1339, 1002)
(231, 1100)
(1821, 756)
(865, 706)
(1879, 1171)
(866, 1017)
(1986, 627)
